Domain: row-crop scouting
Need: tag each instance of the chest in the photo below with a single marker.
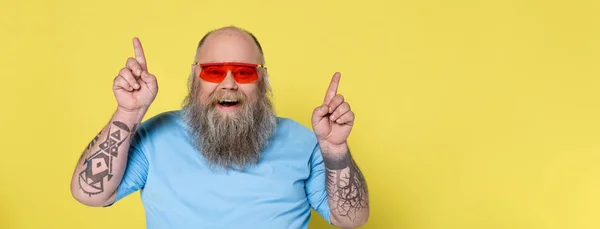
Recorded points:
(180, 175)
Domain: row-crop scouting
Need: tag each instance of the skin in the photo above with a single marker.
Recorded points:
(135, 89)
(346, 186)
(102, 165)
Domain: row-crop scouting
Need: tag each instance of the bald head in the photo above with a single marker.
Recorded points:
(229, 44)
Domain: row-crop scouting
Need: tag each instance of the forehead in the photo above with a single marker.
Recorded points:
(229, 46)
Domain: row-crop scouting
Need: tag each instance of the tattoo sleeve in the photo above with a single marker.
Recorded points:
(346, 187)
(103, 158)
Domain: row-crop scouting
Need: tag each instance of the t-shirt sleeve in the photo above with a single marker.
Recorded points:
(136, 170)
(316, 189)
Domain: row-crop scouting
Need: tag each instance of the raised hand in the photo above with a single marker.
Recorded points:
(135, 88)
(332, 121)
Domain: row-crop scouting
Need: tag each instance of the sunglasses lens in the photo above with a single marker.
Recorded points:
(245, 74)
(214, 74)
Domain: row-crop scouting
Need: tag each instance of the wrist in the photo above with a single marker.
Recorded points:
(130, 116)
(336, 157)
(334, 149)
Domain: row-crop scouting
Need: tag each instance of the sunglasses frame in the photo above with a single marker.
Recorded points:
(231, 63)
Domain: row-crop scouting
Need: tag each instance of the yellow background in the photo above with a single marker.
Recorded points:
(469, 114)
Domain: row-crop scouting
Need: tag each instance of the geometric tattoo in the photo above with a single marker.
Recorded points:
(98, 166)
(346, 186)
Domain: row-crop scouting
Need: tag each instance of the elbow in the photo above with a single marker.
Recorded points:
(357, 222)
(88, 200)
(350, 225)
(363, 220)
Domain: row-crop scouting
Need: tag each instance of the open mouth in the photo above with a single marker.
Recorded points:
(228, 102)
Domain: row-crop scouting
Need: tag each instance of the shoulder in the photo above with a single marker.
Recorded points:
(164, 119)
(293, 127)
(293, 131)
(163, 122)
(160, 126)
(167, 116)
(299, 138)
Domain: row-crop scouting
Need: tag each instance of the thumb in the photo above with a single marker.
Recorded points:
(148, 78)
(319, 113)
(150, 81)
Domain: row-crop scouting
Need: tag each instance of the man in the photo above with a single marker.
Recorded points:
(225, 160)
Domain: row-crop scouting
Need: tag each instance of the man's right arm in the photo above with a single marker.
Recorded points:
(102, 165)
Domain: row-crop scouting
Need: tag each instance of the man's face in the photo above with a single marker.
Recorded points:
(221, 48)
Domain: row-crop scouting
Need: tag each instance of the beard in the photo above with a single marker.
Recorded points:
(230, 140)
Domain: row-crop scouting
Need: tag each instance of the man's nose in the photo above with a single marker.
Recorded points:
(228, 83)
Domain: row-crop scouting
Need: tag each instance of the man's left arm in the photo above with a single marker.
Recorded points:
(346, 189)
(346, 186)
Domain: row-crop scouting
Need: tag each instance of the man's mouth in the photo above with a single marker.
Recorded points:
(228, 102)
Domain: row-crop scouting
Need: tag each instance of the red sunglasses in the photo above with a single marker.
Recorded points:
(242, 72)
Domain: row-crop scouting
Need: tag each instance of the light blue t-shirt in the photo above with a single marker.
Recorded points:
(178, 190)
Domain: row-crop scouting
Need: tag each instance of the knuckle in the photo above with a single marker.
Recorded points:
(317, 110)
(344, 118)
(337, 112)
(132, 64)
(124, 71)
(338, 99)
(130, 61)
(118, 81)
(128, 75)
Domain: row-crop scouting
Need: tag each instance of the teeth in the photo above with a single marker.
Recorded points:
(229, 101)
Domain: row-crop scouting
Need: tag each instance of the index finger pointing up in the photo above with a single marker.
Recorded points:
(333, 86)
(139, 53)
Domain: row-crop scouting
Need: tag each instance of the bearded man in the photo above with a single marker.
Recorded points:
(225, 160)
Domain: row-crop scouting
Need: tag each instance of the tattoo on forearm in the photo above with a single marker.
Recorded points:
(99, 165)
(89, 147)
(346, 186)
